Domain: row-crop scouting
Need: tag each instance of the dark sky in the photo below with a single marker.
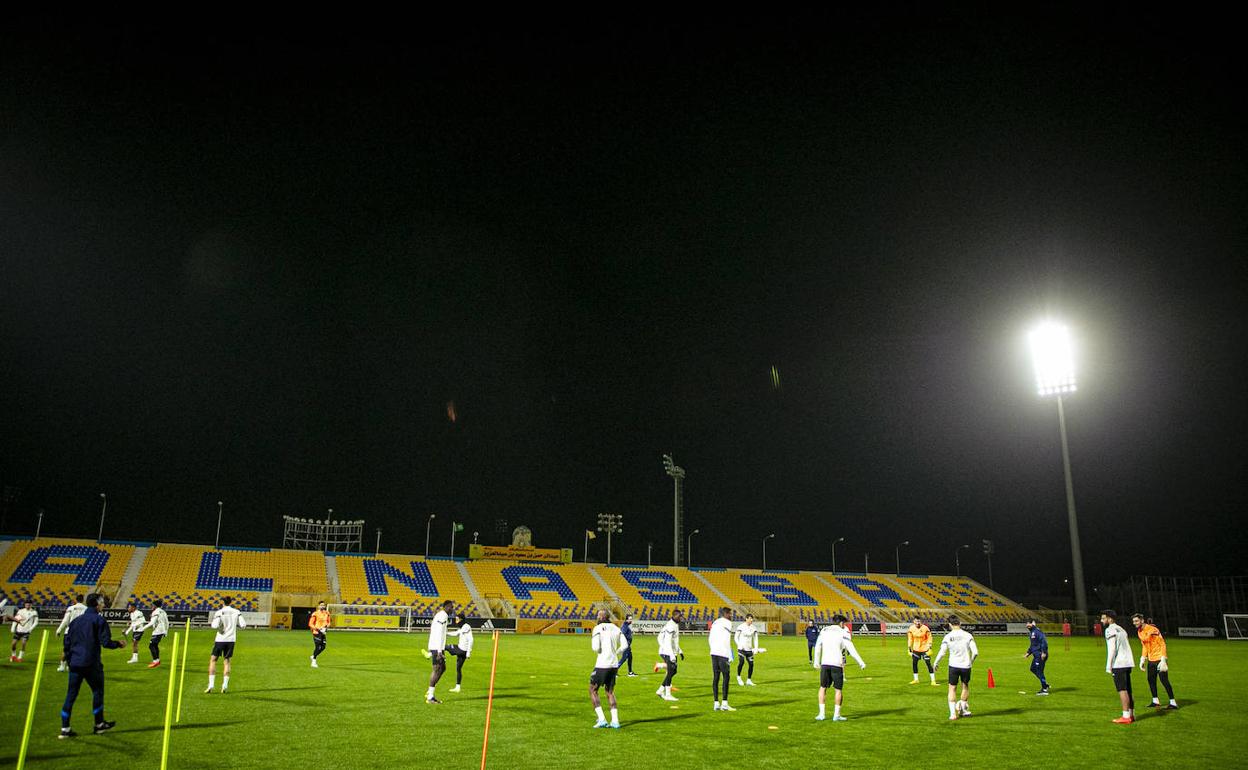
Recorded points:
(255, 262)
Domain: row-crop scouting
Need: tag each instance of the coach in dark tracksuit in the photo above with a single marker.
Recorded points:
(627, 631)
(1038, 649)
(83, 640)
(812, 637)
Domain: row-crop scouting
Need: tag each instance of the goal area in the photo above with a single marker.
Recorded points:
(1235, 626)
(371, 617)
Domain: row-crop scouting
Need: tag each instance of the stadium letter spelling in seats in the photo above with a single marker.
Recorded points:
(88, 566)
(420, 581)
(211, 579)
(780, 591)
(658, 587)
(524, 579)
(873, 592)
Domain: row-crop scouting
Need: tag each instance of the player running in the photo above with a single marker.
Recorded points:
(24, 622)
(609, 643)
(919, 645)
(318, 623)
(962, 653)
(669, 649)
(1038, 649)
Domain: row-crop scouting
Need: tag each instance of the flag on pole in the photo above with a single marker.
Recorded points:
(589, 533)
(457, 527)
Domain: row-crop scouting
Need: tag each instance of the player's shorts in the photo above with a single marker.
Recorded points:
(670, 660)
(925, 655)
(223, 650)
(832, 676)
(438, 657)
(604, 678)
(962, 675)
(136, 636)
(20, 636)
(747, 654)
(1122, 679)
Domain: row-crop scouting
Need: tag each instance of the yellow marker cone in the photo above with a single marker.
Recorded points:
(34, 696)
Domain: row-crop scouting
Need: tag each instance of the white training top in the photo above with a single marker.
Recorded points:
(71, 612)
(720, 638)
(227, 621)
(608, 642)
(960, 646)
(1117, 648)
(464, 634)
(830, 648)
(137, 621)
(747, 637)
(159, 622)
(669, 639)
(25, 620)
(437, 632)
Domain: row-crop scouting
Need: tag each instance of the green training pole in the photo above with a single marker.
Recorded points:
(173, 670)
(186, 645)
(34, 696)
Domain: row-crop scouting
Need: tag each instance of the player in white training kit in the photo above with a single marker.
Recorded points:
(134, 630)
(1119, 660)
(829, 657)
(226, 621)
(436, 650)
(609, 643)
(24, 622)
(720, 641)
(462, 649)
(746, 638)
(962, 651)
(158, 621)
(71, 612)
(669, 649)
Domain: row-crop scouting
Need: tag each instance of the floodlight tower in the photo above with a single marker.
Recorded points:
(678, 504)
(1053, 356)
(610, 523)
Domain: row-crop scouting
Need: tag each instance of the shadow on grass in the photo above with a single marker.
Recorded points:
(877, 712)
(671, 718)
(1001, 713)
(773, 702)
(287, 689)
(186, 726)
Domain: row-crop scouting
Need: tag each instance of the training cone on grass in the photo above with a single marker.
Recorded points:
(991, 682)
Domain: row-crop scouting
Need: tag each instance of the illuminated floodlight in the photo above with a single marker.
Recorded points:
(1053, 356)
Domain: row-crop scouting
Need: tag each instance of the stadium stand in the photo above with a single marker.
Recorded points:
(652, 593)
(407, 581)
(192, 577)
(50, 572)
(540, 591)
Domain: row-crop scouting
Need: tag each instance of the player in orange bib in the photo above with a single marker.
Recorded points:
(919, 646)
(318, 623)
(1153, 658)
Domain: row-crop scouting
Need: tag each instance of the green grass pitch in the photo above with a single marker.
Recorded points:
(364, 707)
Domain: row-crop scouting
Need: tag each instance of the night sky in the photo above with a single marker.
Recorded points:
(254, 262)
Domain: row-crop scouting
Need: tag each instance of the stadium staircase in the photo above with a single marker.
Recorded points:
(610, 596)
(483, 607)
(4, 547)
(331, 571)
(736, 606)
(131, 575)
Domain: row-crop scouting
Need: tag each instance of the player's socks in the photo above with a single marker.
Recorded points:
(822, 711)
(212, 681)
(740, 682)
(601, 716)
(723, 706)
(659, 692)
(225, 683)
(953, 709)
(933, 676)
(1173, 704)
(966, 709)
(429, 693)
(615, 717)
(750, 682)
(21, 654)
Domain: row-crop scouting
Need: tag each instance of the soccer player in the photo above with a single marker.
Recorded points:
(669, 649)
(71, 613)
(462, 649)
(158, 621)
(1038, 649)
(318, 624)
(609, 643)
(24, 622)
(919, 645)
(134, 630)
(746, 638)
(720, 640)
(1153, 658)
(962, 653)
(86, 635)
(834, 641)
(627, 631)
(1118, 663)
(812, 637)
(437, 647)
(226, 621)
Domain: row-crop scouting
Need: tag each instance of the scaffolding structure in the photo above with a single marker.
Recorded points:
(322, 534)
(1187, 601)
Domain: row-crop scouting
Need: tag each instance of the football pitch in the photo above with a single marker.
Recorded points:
(364, 707)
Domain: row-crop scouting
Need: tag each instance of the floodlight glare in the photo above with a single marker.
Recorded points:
(1051, 352)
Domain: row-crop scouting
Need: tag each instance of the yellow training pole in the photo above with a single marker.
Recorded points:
(489, 703)
(173, 670)
(34, 696)
(186, 645)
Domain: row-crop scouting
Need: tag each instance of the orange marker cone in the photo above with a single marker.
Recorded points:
(991, 682)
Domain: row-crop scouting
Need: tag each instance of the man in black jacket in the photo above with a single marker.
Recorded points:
(87, 634)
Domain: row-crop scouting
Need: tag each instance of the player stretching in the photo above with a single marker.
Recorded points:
(24, 622)
(159, 623)
(437, 647)
(1118, 663)
(462, 649)
(226, 621)
(720, 640)
(609, 643)
(1038, 649)
(669, 648)
(962, 653)
(1153, 657)
(318, 624)
(71, 613)
(134, 630)
(919, 644)
(747, 642)
(829, 657)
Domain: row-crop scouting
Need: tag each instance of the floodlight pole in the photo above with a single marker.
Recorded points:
(957, 561)
(678, 491)
(217, 542)
(377, 548)
(1076, 553)
(103, 510)
(649, 548)
(773, 534)
(689, 550)
(897, 555)
(610, 523)
(866, 562)
(428, 524)
(39, 524)
(834, 542)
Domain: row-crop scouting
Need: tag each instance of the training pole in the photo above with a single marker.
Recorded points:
(34, 696)
(173, 670)
(186, 645)
(489, 702)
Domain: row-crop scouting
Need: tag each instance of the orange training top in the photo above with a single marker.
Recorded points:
(918, 640)
(1154, 646)
(319, 620)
